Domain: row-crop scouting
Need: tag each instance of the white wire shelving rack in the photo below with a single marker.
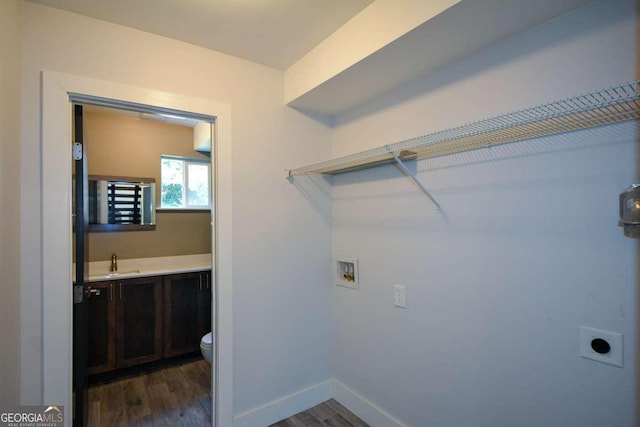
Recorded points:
(607, 106)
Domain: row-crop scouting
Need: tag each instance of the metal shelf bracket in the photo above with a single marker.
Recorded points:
(412, 177)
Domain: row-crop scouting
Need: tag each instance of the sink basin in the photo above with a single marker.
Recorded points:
(113, 274)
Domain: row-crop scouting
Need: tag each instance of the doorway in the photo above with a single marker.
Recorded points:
(149, 239)
(58, 91)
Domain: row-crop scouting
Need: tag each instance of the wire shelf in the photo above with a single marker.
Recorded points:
(599, 108)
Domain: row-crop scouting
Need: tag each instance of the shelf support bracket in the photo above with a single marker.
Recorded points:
(412, 177)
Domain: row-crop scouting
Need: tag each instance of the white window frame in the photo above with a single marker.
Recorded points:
(185, 194)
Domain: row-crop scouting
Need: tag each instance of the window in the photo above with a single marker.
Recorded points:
(184, 183)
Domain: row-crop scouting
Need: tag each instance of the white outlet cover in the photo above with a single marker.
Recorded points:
(613, 357)
(400, 296)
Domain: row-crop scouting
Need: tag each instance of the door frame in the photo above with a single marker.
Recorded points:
(56, 237)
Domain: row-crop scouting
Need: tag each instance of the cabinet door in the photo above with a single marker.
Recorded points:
(206, 303)
(102, 328)
(139, 324)
(182, 316)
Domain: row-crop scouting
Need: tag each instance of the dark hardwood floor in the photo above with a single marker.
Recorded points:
(326, 414)
(178, 395)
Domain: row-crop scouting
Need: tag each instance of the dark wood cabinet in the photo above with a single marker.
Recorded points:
(139, 321)
(102, 328)
(187, 311)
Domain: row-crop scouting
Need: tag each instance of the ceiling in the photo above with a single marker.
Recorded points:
(272, 32)
(335, 54)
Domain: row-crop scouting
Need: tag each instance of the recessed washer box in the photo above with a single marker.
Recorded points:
(345, 271)
(600, 345)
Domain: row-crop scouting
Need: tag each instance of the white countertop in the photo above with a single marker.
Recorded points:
(145, 267)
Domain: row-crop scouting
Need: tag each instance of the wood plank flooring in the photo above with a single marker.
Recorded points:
(177, 395)
(327, 414)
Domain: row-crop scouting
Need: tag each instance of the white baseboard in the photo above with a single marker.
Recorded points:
(363, 408)
(306, 398)
(285, 407)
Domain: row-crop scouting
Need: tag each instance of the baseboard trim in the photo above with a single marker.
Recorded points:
(285, 406)
(363, 408)
(291, 404)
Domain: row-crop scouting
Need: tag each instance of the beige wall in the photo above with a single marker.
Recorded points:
(175, 234)
(129, 146)
(9, 201)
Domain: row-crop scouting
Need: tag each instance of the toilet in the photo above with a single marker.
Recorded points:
(206, 347)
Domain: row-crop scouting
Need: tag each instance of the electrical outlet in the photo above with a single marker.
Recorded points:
(601, 346)
(400, 296)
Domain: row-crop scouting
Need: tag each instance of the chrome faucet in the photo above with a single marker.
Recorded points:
(114, 262)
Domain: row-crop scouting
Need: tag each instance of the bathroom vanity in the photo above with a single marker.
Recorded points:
(148, 314)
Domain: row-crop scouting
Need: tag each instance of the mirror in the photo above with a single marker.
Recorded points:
(121, 203)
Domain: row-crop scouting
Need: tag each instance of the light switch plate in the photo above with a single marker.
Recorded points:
(400, 296)
(612, 339)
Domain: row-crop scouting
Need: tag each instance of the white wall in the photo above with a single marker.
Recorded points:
(9, 201)
(281, 243)
(527, 252)
(497, 290)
